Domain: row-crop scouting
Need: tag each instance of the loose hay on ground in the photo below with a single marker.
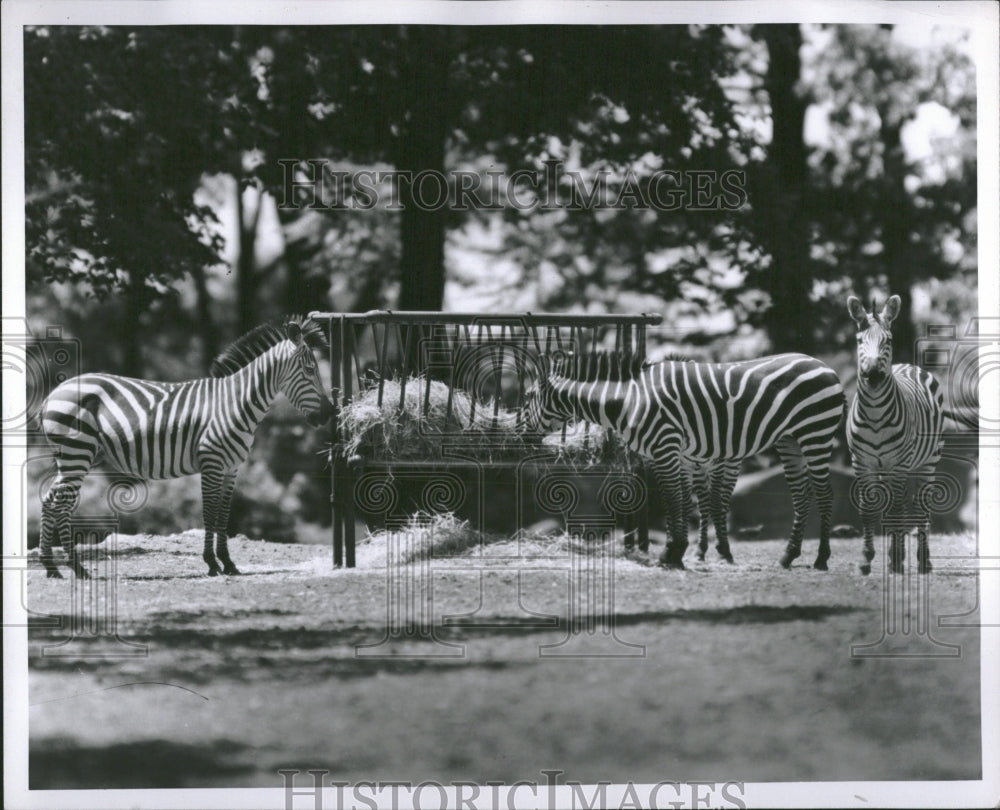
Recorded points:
(446, 538)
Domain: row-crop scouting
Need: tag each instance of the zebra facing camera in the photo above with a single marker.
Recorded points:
(43, 363)
(961, 363)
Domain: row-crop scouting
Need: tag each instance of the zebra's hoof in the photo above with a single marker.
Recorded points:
(727, 556)
(896, 569)
(925, 568)
(230, 570)
(52, 573)
(213, 572)
(865, 568)
(672, 565)
(820, 565)
(786, 561)
(81, 573)
(701, 556)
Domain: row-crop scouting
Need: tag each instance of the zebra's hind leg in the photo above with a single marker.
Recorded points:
(208, 555)
(923, 548)
(57, 506)
(222, 525)
(671, 480)
(798, 483)
(50, 525)
(703, 495)
(897, 549)
(818, 467)
(723, 483)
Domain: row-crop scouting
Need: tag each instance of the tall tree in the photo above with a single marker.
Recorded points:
(120, 126)
(887, 218)
(780, 196)
(420, 152)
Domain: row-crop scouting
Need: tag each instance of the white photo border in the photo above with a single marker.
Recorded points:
(980, 17)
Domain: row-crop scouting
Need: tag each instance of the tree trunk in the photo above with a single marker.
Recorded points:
(895, 240)
(785, 228)
(302, 293)
(135, 305)
(246, 282)
(206, 326)
(422, 149)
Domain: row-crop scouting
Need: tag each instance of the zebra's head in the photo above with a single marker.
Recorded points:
(299, 379)
(874, 340)
(539, 411)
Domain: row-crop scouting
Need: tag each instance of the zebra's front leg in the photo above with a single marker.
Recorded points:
(672, 482)
(211, 488)
(871, 498)
(927, 489)
(222, 524)
(897, 525)
(723, 483)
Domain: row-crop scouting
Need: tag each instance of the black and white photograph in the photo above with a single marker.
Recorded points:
(503, 404)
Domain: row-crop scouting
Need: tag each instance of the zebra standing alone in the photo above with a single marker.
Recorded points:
(681, 413)
(157, 430)
(894, 433)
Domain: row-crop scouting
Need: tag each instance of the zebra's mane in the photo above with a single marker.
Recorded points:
(595, 366)
(244, 350)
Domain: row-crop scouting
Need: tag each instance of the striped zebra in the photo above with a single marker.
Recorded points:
(712, 486)
(157, 430)
(679, 414)
(894, 435)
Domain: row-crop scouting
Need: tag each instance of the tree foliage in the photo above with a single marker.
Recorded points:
(124, 125)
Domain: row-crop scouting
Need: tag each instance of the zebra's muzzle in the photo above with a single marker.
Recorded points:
(322, 416)
(875, 377)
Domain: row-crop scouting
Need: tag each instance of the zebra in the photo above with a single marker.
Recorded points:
(682, 413)
(156, 430)
(894, 435)
(712, 486)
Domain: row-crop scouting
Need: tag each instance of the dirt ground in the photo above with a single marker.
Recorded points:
(717, 673)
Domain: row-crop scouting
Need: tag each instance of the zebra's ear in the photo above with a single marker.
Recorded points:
(891, 309)
(857, 311)
(294, 333)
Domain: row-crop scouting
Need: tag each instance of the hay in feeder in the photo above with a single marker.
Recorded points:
(416, 422)
(586, 445)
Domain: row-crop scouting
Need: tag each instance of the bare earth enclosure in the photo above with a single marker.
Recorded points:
(722, 672)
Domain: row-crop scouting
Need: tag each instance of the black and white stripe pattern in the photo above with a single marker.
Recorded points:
(157, 430)
(685, 415)
(894, 435)
(712, 488)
